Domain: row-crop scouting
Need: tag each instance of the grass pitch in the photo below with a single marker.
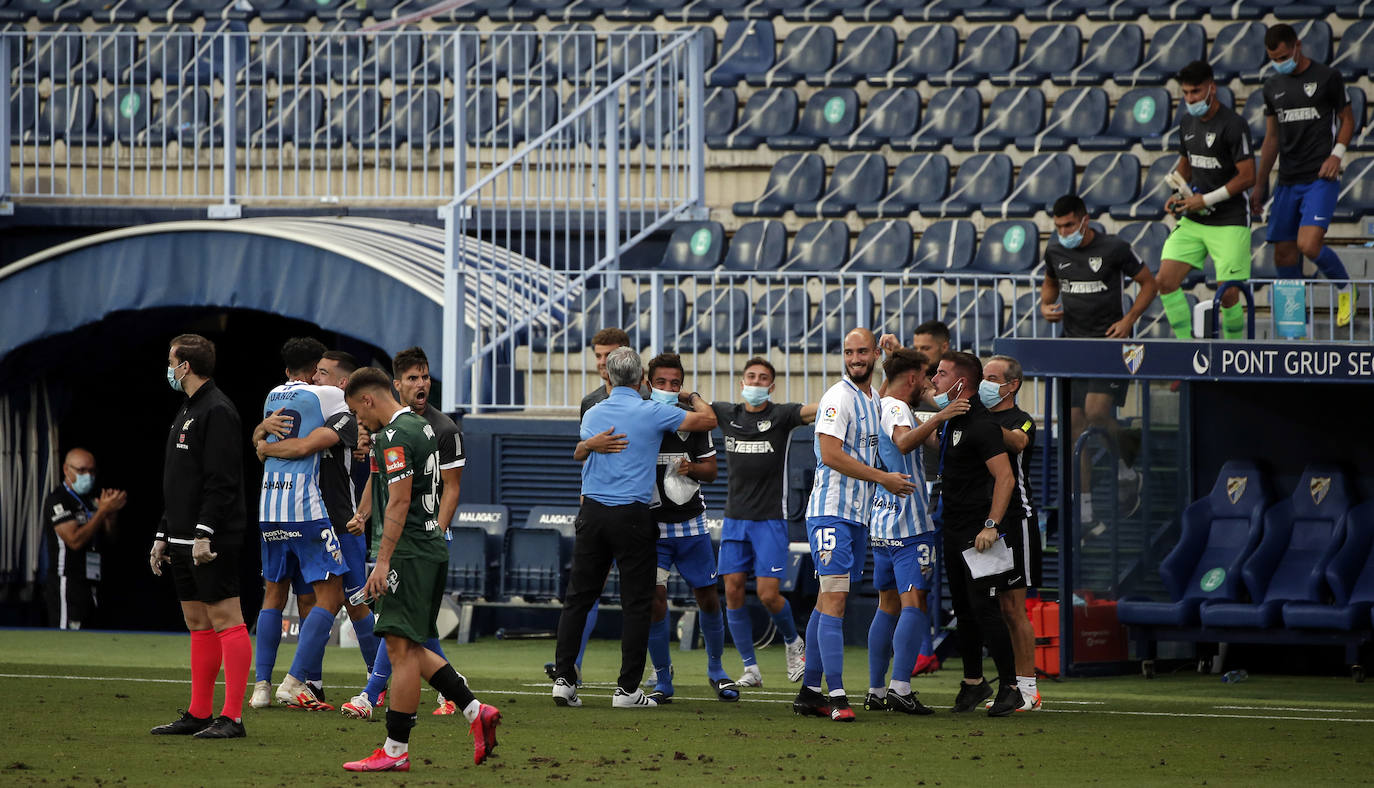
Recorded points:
(81, 704)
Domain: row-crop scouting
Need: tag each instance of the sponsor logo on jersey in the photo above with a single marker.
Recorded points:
(394, 458)
(1299, 114)
(736, 446)
(58, 510)
(279, 484)
(1084, 288)
(830, 413)
(341, 423)
(279, 535)
(1235, 487)
(1319, 487)
(1095, 263)
(1204, 162)
(1133, 356)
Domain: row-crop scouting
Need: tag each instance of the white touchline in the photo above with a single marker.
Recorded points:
(1288, 708)
(1208, 716)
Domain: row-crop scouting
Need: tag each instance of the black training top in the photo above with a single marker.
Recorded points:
(1021, 506)
(1212, 148)
(336, 470)
(202, 470)
(967, 442)
(756, 447)
(63, 505)
(1090, 282)
(1308, 107)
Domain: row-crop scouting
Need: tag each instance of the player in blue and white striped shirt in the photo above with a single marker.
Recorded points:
(848, 425)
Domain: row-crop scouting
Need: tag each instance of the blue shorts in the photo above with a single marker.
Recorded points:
(837, 546)
(355, 562)
(904, 564)
(757, 545)
(1301, 205)
(694, 556)
(310, 548)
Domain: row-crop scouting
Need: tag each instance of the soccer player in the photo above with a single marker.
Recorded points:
(77, 520)
(903, 537)
(1309, 121)
(1019, 527)
(411, 566)
(203, 521)
(297, 535)
(847, 430)
(1215, 157)
(685, 460)
(754, 536)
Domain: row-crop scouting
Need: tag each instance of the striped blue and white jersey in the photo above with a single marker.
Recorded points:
(894, 517)
(847, 413)
(291, 488)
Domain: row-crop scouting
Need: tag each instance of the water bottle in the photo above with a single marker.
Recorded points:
(1234, 676)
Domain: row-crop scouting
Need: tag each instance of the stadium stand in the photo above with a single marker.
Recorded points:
(982, 178)
(891, 114)
(919, 178)
(857, 178)
(1012, 114)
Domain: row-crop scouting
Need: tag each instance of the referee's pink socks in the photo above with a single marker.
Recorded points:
(237, 648)
(205, 659)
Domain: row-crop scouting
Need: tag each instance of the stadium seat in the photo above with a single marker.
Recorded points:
(951, 114)
(104, 11)
(1146, 239)
(626, 48)
(1142, 114)
(1043, 179)
(796, 177)
(694, 246)
(1051, 49)
(945, 247)
(294, 116)
(928, 49)
(177, 10)
(495, 10)
(529, 113)
(185, 57)
(1238, 51)
(1350, 578)
(746, 49)
(1013, 113)
(69, 111)
(1315, 35)
(1154, 192)
(806, 50)
(492, 519)
(1357, 191)
(398, 56)
(412, 118)
(981, 178)
(467, 562)
(586, 315)
(974, 317)
(55, 54)
(1354, 56)
(481, 111)
(562, 10)
(857, 178)
(121, 116)
(819, 10)
(1301, 534)
(921, 177)
(719, 315)
(269, 57)
(989, 49)
(821, 245)
(767, 113)
(293, 10)
(891, 114)
(24, 111)
(672, 310)
(508, 55)
(870, 49)
(837, 314)
(1026, 320)
(108, 53)
(1077, 113)
(831, 112)
(757, 246)
(904, 308)
(718, 113)
(336, 56)
(1172, 47)
(1218, 534)
(1054, 10)
(1111, 50)
(533, 568)
(1109, 179)
(440, 61)
(567, 53)
(883, 246)
(1261, 256)
(778, 319)
(185, 110)
(44, 10)
(1011, 246)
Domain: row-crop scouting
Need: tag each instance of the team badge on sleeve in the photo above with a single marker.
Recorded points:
(395, 458)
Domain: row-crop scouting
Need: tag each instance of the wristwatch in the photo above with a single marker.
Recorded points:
(990, 523)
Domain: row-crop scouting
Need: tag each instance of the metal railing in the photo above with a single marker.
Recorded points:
(229, 116)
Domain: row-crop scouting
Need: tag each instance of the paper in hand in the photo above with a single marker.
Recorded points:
(993, 561)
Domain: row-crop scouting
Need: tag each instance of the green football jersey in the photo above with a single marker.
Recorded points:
(406, 452)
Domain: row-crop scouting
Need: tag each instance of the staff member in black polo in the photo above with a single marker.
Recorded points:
(76, 522)
(614, 523)
(200, 537)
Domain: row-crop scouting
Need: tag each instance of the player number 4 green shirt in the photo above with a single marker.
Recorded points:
(405, 451)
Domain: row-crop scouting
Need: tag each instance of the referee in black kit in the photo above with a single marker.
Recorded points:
(200, 537)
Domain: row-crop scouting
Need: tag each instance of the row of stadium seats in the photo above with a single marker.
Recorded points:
(1244, 561)
(272, 11)
(1110, 183)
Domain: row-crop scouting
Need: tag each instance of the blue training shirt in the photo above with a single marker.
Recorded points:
(628, 476)
(291, 488)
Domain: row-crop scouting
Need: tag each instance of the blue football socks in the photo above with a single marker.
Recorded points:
(742, 632)
(880, 646)
(269, 640)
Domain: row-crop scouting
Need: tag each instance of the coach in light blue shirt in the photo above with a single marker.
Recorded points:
(620, 440)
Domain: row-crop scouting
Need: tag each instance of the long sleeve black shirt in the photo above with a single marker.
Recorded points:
(202, 474)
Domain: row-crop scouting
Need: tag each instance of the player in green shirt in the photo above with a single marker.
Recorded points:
(407, 581)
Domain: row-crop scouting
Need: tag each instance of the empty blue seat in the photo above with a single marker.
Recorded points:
(1077, 113)
(778, 319)
(944, 10)
(43, 10)
(819, 10)
(562, 10)
(821, 245)
(533, 566)
(586, 313)
(857, 178)
(904, 308)
(1026, 319)
(1238, 51)
(337, 55)
(831, 112)
(509, 55)
(974, 317)
(1154, 192)
(568, 52)
(921, 177)
(1301, 534)
(928, 49)
(105, 11)
(1051, 49)
(1354, 55)
(1043, 179)
(891, 114)
(1350, 578)
(757, 246)
(293, 118)
(269, 56)
(1357, 191)
(718, 114)
(870, 49)
(1218, 534)
(442, 62)
(1011, 246)
(1172, 47)
(837, 314)
(952, 113)
(1054, 10)
(882, 246)
(1142, 115)
(767, 113)
(492, 520)
(412, 118)
(806, 50)
(1013, 113)
(626, 48)
(108, 54)
(746, 49)
(945, 247)
(694, 246)
(24, 111)
(1113, 49)
(981, 178)
(179, 111)
(796, 177)
(55, 54)
(120, 115)
(1109, 179)
(529, 113)
(397, 56)
(288, 10)
(467, 562)
(1315, 35)
(1146, 239)
(989, 49)
(1355, 97)
(672, 311)
(719, 315)
(69, 111)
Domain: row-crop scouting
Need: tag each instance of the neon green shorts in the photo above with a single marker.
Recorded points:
(1229, 246)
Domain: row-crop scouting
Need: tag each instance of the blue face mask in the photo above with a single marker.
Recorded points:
(942, 400)
(990, 393)
(1198, 109)
(1286, 66)
(755, 395)
(84, 483)
(666, 397)
(1072, 241)
(173, 380)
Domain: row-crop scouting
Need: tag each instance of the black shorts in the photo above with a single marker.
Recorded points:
(71, 602)
(209, 583)
(1080, 389)
(1023, 537)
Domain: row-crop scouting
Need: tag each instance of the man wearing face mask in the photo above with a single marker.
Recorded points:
(1308, 119)
(77, 521)
(754, 537)
(1217, 161)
